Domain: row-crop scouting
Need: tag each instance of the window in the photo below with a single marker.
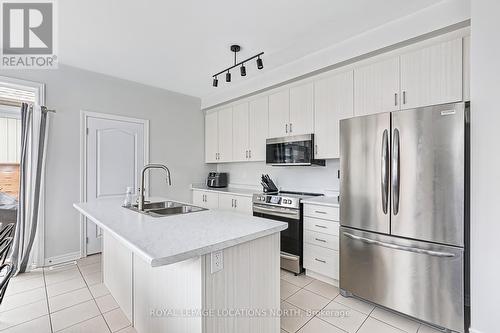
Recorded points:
(10, 139)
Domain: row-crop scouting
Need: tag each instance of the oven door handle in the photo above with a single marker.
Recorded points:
(284, 255)
(284, 212)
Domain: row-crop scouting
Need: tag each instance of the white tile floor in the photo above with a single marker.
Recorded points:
(66, 299)
(73, 299)
(317, 307)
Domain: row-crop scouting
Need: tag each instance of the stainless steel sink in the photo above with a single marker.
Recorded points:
(166, 208)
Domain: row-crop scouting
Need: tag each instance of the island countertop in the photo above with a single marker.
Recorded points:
(166, 240)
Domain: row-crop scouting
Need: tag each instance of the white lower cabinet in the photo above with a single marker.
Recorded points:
(237, 203)
(206, 199)
(225, 201)
(321, 260)
(321, 242)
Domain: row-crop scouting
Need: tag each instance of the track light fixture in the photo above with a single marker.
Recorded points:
(243, 71)
(260, 65)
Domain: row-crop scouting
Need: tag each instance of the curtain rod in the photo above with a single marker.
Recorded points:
(12, 102)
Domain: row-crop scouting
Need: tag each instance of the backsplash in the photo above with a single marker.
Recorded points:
(296, 178)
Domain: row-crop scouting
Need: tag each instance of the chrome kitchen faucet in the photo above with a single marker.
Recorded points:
(143, 172)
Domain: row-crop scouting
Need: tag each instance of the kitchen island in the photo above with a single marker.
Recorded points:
(160, 270)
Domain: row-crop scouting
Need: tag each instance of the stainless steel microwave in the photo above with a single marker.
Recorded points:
(291, 151)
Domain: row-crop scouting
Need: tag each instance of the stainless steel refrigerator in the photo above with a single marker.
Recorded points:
(404, 213)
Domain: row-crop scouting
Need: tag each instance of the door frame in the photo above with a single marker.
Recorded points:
(84, 115)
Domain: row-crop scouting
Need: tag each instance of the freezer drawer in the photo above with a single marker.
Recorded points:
(419, 279)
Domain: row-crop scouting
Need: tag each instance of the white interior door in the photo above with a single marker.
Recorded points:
(114, 158)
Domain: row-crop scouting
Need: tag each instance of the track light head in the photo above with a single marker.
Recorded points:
(260, 64)
(228, 77)
(243, 70)
(215, 82)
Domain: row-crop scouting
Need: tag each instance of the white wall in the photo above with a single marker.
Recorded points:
(298, 178)
(485, 136)
(176, 124)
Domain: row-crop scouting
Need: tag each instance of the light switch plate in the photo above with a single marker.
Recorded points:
(216, 261)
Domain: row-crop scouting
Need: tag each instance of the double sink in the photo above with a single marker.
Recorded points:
(165, 208)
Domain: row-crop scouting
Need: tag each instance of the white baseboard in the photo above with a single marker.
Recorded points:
(322, 278)
(62, 258)
(471, 330)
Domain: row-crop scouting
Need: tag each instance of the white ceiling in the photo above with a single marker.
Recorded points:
(178, 45)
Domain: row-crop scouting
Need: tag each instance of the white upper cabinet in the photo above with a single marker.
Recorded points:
(219, 136)
(301, 109)
(211, 137)
(258, 129)
(333, 100)
(466, 69)
(279, 113)
(225, 130)
(376, 87)
(432, 75)
(240, 132)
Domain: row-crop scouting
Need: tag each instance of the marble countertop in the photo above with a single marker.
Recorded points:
(232, 190)
(166, 240)
(322, 201)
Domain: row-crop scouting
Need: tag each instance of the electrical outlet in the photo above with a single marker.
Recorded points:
(216, 261)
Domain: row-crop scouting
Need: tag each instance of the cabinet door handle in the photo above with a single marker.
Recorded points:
(396, 99)
(319, 212)
(246, 153)
(320, 240)
(286, 128)
(232, 203)
(320, 226)
(291, 128)
(315, 149)
(235, 203)
(404, 97)
(250, 154)
(322, 261)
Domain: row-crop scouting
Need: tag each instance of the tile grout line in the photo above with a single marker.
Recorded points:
(47, 300)
(93, 298)
(30, 303)
(78, 323)
(364, 321)
(343, 330)
(315, 315)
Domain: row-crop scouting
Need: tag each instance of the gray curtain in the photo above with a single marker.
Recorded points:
(33, 137)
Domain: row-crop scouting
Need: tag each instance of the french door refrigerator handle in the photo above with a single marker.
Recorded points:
(395, 172)
(400, 247)
(385, 171)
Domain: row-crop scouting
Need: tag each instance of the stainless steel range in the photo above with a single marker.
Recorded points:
(287, 207)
